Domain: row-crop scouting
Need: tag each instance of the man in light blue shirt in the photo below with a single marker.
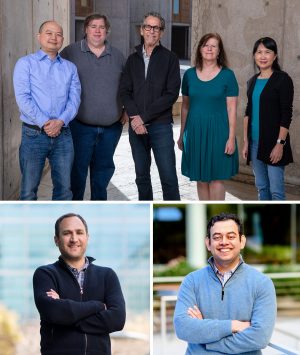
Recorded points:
(228, 307)
(47, 90)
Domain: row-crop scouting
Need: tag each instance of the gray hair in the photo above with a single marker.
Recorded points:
(157, 15)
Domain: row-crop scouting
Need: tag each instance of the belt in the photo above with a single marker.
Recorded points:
(37, 128)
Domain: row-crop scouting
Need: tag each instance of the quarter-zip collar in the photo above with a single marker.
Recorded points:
(212, 264)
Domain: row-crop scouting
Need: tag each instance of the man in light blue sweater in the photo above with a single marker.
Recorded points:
(227, 307)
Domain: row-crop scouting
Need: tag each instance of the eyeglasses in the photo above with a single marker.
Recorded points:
(94, 27)
(154, 28)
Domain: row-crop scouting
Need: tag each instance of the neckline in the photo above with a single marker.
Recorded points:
(207, 81)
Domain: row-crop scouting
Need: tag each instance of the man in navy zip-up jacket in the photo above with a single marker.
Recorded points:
(79, 303)
(227, 307)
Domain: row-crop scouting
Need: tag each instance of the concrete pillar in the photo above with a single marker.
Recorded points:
(240, 23)
(19, 23)
(195, 234)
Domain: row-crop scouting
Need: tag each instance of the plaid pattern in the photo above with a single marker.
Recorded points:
(224, 277)
(79, 274)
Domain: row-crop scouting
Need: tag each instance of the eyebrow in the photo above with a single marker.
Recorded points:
(219, 233)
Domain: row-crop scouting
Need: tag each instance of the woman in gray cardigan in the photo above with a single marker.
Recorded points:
(267, 120)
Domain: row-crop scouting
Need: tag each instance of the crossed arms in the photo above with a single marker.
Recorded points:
(91, 317)
(227, 336)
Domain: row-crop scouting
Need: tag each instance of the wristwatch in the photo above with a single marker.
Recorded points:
(281, 141)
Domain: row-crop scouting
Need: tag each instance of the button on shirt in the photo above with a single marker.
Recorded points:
(46, 89)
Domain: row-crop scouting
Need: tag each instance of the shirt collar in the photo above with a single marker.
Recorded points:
(213, 265)
(42, 55)
(84, 267)
(85, 48)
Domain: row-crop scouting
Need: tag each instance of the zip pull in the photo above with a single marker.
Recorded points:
(81, 290)
(222, 293)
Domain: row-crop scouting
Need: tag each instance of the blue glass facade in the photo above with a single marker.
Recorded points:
(119, 238)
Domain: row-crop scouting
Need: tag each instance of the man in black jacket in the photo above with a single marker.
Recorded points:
(149, 88)
(79, 303)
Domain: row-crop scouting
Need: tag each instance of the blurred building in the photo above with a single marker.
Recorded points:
(272, 231)
(125, 17)
(119, 238)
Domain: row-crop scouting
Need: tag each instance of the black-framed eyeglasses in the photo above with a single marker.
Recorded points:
(154, 28)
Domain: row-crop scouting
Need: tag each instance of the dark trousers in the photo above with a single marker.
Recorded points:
(94, 149)
(160, 140)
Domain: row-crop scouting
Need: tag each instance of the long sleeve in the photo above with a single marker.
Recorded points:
(170, 93)
(126, 90)
(258, 335)
(27, 105)
(59, 311)
(73, 102)
(112, 318)
(195, 330)
(286, 97)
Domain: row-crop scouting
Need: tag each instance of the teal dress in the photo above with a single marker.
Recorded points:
(207, 127)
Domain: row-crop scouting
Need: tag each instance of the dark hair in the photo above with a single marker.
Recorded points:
(95, 16)
(270, 44)
(224, 216)
(157, 15)
(68, 215)
(222, 58)
(45, 22)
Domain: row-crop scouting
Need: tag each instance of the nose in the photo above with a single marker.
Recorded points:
(224, 240)
(74, 237)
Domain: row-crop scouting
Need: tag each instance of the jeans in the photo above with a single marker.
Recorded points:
(269, 179)
(160, 140)
(35, 147)
(94, 148)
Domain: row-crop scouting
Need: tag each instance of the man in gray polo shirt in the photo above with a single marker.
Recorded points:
(98, 125)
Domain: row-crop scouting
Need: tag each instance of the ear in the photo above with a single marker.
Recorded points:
(141, 31)
(207, 243)
(56, 240)
(243, 241)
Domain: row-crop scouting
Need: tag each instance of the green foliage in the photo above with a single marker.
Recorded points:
(9, 331)
(269, 254)
(182, 268)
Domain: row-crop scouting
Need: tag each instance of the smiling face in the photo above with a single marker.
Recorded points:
(152, 36)
(72, 241)
(51, 38)
(210, 50)
(264, 57)
(96, 33)
(225, 244)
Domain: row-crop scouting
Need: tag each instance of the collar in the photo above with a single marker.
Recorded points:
(85, 48)
(85, 266)
(141, 49)
(213, 266)
(41, 55)
(88, 259)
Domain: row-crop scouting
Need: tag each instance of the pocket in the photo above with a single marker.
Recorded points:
(30, 132)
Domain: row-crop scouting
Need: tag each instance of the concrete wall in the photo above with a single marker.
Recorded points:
(240, 23)
(118, 13)
(138, 8)
(19, 23)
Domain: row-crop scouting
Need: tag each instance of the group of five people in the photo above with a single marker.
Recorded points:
(102, 91)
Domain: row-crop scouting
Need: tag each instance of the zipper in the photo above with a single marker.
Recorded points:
(223, 286)
(85, 350)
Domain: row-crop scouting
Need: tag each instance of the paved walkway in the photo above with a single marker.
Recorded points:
(123, 188)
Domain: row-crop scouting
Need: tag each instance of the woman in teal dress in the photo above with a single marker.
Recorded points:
(208, 120)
